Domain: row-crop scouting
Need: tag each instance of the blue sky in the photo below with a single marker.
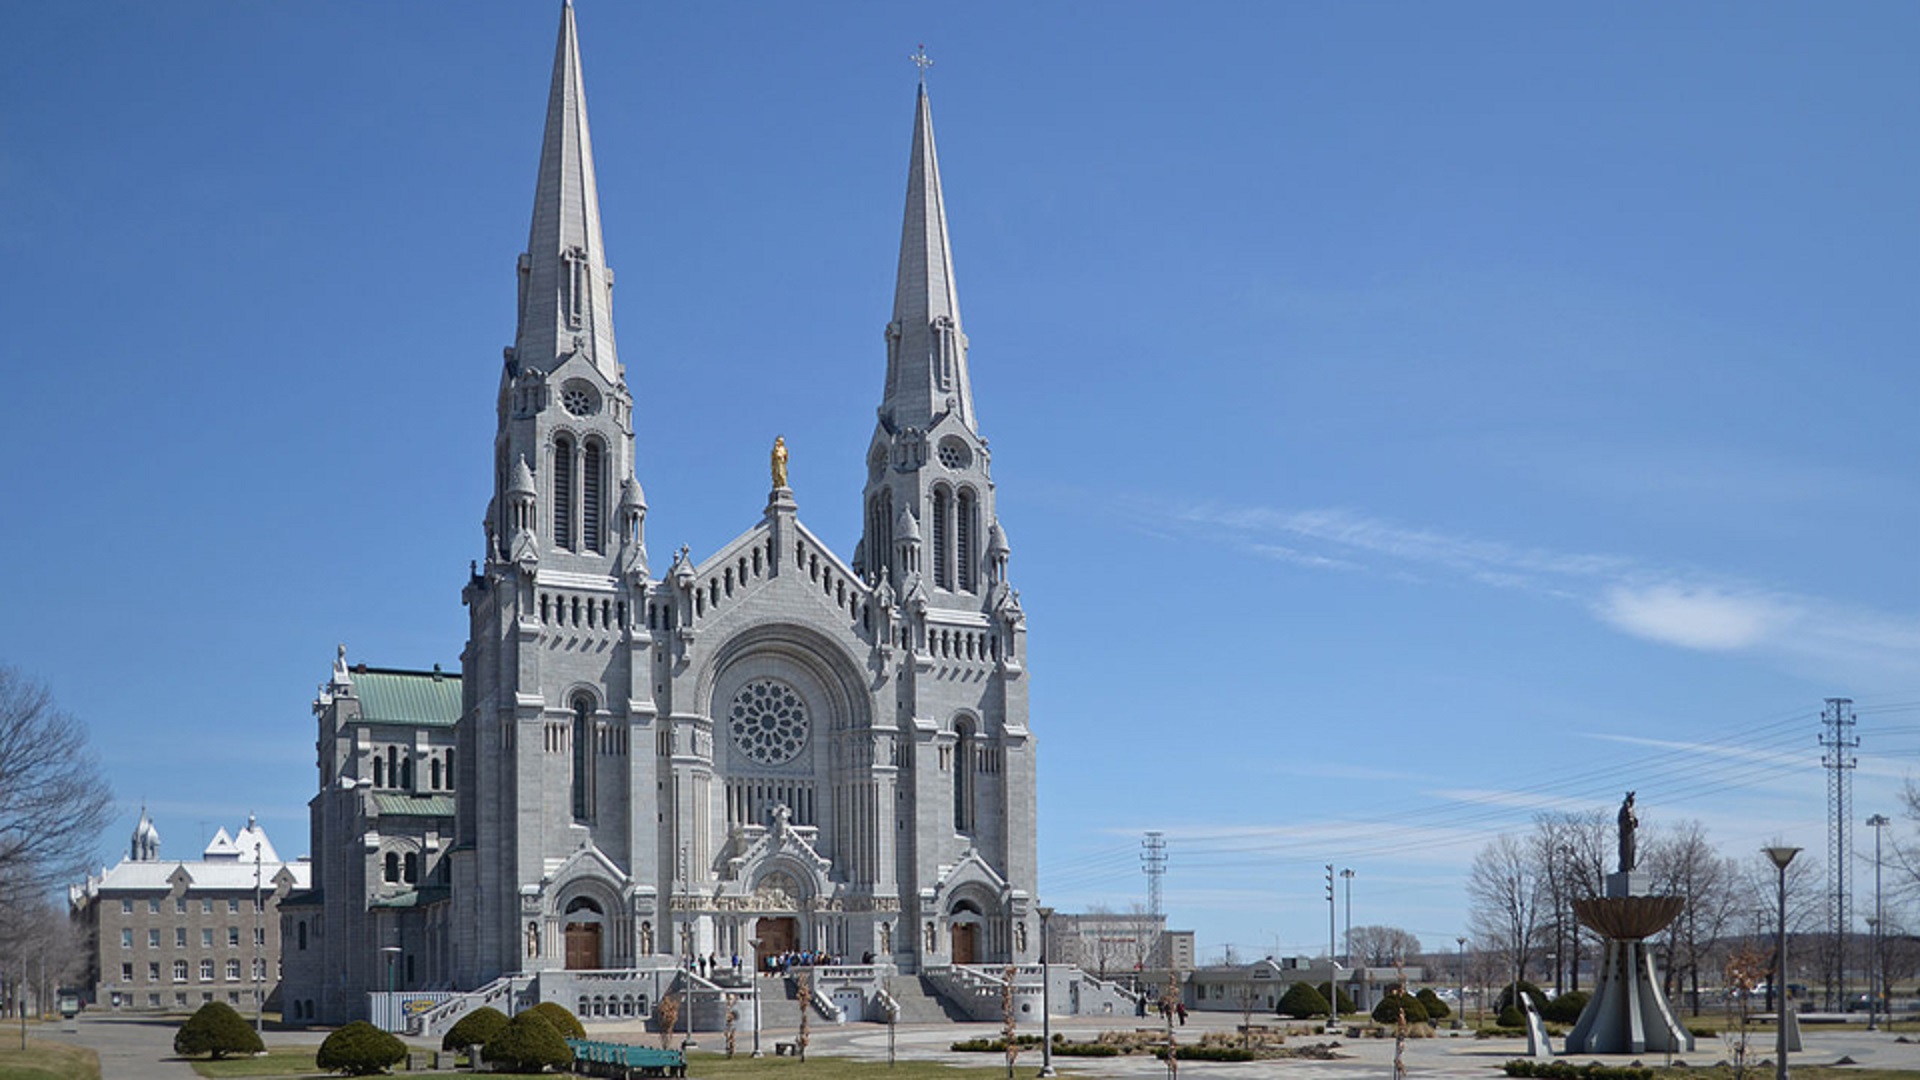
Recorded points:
(1407, 417)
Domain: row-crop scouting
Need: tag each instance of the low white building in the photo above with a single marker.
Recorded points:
(1261, 984)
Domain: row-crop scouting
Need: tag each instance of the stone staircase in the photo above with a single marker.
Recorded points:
(920, 1004)
(779, 1007)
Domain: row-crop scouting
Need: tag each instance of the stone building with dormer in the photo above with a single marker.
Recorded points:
(763, 748)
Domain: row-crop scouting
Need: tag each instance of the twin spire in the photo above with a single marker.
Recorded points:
(566, 288)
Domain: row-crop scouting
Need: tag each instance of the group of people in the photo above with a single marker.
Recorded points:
(784, 962)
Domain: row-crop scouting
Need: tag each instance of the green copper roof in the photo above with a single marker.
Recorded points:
(388, 804)
(415, 698)
(421, 897)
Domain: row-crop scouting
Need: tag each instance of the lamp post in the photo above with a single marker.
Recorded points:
(755, 944)
(1348, 939)
(1460, 1007)
(1781, 856)
(259, 940)
(1046, 1010)
(1874, 988)
(392, 953)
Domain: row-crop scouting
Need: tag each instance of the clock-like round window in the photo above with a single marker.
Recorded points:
(579, 399)
(954, 454)
(768, 722)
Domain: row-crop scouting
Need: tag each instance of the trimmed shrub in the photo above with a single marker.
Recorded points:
(1506, 999)
(564, 1022)
(1302, 1002)
(1388, 1011)
(1565, 1009)
(1085, 1049)
(1567, 1070)
(1436, 1008)
(1512, 1018)
(1206, 1053)
(475, 1028)
(360, 1049)
(527, 1044)
(1343, 1002)
(216, 1030)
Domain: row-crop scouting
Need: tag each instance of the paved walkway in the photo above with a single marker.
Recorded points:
(137, 1049)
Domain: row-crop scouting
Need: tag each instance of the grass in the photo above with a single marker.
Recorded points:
(47, 1061)
(299, 1062)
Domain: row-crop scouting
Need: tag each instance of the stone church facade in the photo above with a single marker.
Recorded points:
(769, 744)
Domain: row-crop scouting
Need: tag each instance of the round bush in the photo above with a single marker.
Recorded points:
(1565, 1009)
(1507, 1001)
(527, 1044)
(1430, 1001)
(216, 1030)
(1341, 1000)
(1512, 1017)
(360, 1049)
(564, 1022)
(475, 1028)
(1389, 1009)
(1302, 1002)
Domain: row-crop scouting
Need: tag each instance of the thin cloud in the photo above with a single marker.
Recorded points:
(1681, 607)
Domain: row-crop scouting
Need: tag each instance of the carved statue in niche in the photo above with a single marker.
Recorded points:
(533, 939)
(886, 938)
(646, 939)
(933, 939)
(1020, 937)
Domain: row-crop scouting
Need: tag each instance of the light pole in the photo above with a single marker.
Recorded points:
(1460, 1007)
(392, 953)
(1874, 989)
(755, 944)
(1781, 856)
(1333, 968)
(1046, 1011)
(259, 940)
(1348, 940)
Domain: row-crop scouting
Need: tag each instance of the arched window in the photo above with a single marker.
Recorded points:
(406, 773)
(433, 773)
(963, 738)
(582, 758)
(393, 766)
(411, 872)
(965, 528)
(300, 929)
(590, 500)
(379, 771)
(393, 868)
(563, 493)
(942, 538)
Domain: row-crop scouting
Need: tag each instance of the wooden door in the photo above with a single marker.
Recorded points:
(965, 936)
(777, 935)
(583, 947)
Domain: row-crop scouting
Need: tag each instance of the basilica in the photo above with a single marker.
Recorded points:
(765, 748)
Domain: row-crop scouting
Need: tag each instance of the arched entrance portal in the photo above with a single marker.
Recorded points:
(965, 943)
(584, 921)
(777, 934)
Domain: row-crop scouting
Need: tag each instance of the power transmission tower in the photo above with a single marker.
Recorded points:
(1153, 859)
(1837, 740)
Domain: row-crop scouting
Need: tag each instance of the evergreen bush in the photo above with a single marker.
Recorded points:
(360, 1049)
(475, 1028)
(1506, 998)
(1565, 1009)
(1342, 1002)
(1512, 1017)
(527, 1044)
(1302, 1002)
(564, 1022)
(216, 1030)
(1388, 1011)
(1430, 1001)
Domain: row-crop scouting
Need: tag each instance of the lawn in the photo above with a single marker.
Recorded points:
(47, 1061)
(299, 1062)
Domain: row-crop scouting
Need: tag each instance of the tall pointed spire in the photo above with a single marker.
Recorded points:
(565, 286)
(926, 350)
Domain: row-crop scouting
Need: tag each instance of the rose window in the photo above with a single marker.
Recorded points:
(768, 721)
(578, 399)
(954, 454)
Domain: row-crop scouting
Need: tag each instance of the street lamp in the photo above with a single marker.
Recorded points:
(755, 944)
(393, 956)
(1348, 940)
(1460, 1013)
(1874, 987)
(1046, 1011)
(1781, 856)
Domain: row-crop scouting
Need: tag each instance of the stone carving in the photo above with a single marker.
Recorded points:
(646, 939)
(533, 940)
(933, 939)
(886, 938)
(779, 461)
(1628, 824)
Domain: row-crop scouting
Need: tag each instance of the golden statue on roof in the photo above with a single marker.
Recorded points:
(779, 461)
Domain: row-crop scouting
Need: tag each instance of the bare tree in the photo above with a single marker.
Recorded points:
(1757, 889)
(1503, 897)
(1383, 946)
(53, 801)
(1569, 852)
(1683, 863)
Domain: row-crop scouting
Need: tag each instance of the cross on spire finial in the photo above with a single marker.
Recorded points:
(922, 61)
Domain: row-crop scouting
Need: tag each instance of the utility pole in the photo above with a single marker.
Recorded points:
(1153, 858)
(1837, 742)
(1348, 940)
(1875, 989)
(1333, 983)
(259, 940)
